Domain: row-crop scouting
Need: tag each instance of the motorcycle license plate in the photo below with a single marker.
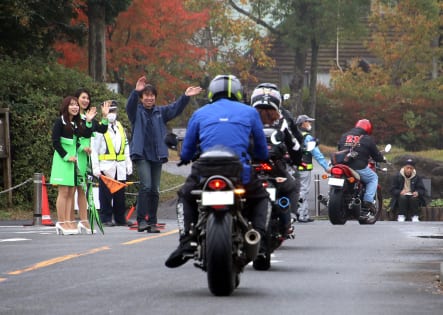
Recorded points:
(272, 193)
(336, 181)
(213, 198)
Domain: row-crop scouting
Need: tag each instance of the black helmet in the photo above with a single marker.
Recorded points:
(171, 141)
(225, 86)
(266, 95)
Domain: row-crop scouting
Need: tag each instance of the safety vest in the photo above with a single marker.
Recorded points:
(110, 154)
(306, 160)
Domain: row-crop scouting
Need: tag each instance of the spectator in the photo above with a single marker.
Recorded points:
(407, 193)
(83, 155)
(148, 148)
(110, 157)
(65, 133)
(303, 123)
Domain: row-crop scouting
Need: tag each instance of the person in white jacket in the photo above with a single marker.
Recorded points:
(110, 157)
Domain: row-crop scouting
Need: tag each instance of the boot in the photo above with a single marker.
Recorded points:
(367, 209)
(182, 254)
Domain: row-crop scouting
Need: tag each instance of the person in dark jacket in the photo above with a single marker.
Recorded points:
(226, 122)
(359, 141)
(148, 148)
(407, 193)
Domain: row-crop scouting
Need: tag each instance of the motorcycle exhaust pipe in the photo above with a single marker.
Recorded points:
(283, 202)
(323, 199)
(356, 205)
(252, 243)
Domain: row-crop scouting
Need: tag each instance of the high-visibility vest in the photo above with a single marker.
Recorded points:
(306, 160)
(110, 154)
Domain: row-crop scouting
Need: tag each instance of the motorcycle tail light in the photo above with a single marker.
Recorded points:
(217, 184)
(264, 167)
(337, 172)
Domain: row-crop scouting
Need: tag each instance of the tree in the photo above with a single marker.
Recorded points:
(403, 38)
(30, 27)
(148, 39)
(305, 25)
(100, 13)
(232, 42)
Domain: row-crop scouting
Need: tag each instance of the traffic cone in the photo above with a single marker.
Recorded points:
(46, 214)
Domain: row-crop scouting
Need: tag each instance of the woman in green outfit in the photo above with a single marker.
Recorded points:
(66, 131)
(84, 151)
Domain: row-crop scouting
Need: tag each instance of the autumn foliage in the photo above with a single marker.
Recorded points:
(151, 38)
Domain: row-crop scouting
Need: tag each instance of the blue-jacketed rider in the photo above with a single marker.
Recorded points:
(225, 121)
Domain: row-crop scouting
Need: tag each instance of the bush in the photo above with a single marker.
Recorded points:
(33, 89)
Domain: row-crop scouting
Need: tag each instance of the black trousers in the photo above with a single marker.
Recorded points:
(256, 203)
(112, 205)
(408, 206)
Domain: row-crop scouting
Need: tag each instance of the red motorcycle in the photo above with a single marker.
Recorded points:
(346, 194)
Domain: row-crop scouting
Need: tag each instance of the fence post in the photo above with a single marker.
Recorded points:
(316, 193)
(37, 199)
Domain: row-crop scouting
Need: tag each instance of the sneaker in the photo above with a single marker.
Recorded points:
(401, 218)
(181, 255)
(415, 218)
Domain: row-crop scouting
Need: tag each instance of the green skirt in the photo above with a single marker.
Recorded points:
(64, 172)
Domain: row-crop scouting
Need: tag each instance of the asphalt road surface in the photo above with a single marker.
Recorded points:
(387, 268)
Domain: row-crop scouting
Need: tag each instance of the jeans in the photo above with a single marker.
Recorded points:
(370, 179)
(147, 201)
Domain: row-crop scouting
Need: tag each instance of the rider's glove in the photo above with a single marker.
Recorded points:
(183, 162)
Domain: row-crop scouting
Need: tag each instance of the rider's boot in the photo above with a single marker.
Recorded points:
(183, 253)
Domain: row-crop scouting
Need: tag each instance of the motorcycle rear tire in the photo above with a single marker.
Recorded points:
(219, 266)
(336, 209)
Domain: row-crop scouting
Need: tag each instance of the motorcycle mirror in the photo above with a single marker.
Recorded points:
(388, 148)
(310, 146)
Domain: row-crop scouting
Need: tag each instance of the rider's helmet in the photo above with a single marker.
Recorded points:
(266, 95)
(225, 86)
(364, 124)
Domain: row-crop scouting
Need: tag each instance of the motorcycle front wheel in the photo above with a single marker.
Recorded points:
(336, 209)
(219, 267)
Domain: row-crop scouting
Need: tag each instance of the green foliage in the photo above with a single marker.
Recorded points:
(30, 27)
(33, 89)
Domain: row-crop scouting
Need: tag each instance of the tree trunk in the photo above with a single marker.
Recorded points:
(313, 80)
(97, 42)
(296, 84)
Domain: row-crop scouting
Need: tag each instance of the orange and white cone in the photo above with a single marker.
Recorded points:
(46, 214)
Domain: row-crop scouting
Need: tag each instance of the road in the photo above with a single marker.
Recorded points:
(388, 268)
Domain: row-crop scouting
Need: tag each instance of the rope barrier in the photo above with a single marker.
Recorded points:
(16, 186)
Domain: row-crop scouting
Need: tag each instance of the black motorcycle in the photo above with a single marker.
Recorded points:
(226, 241)
(278, 224)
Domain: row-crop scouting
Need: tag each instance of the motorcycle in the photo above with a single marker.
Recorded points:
(278, 223)
(225, 240)
(346, 194)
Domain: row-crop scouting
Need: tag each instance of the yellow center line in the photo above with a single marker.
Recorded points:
(60, 259)
(142, 239)
(56, 260)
